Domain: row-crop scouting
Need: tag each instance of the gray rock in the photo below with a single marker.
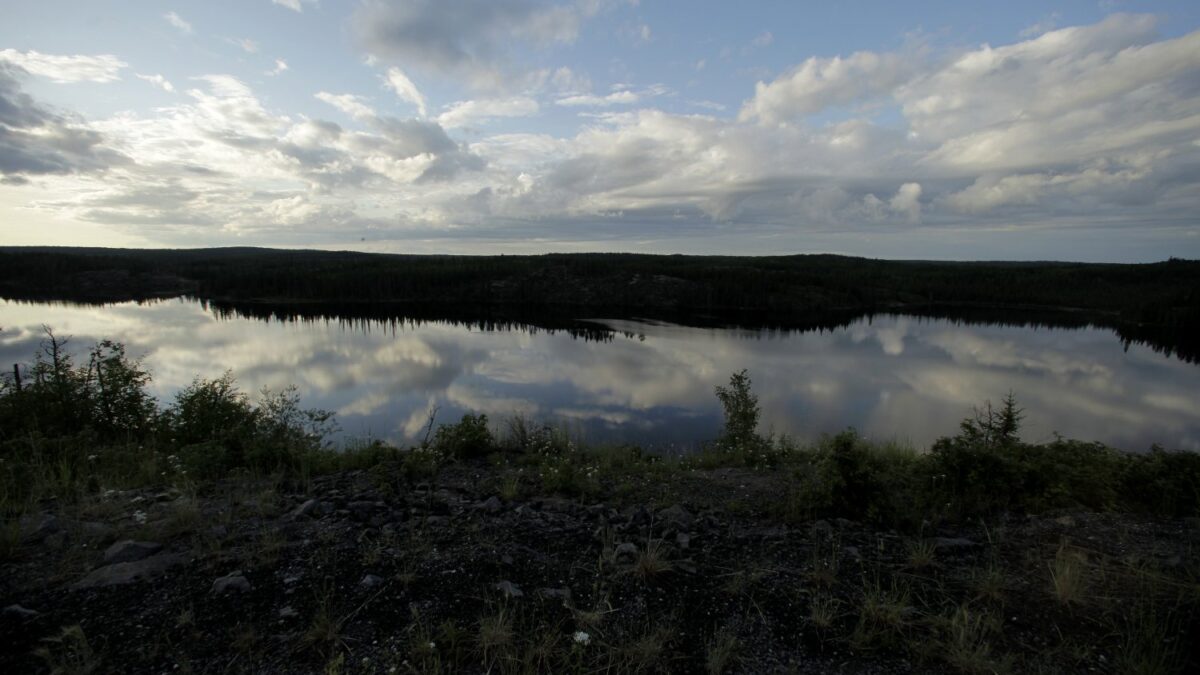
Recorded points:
(361, 510)
(234, 581)
(129, 572)
(953, 543)
(370, 581)
(626, 552)
(491, 505)
(37, 527)
(97, 532)
(19, 613)
(130, 551)
(288, 613)
(563, 594)
(678, 516)
(509, 589)
(305, 510)
(683, 541)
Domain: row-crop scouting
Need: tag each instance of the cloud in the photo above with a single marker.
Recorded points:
(281, 66)
(908, 201)
(178, 22)
(36, 141)
(819, 83)
(67, 69)
(158, 81)
(1082, 129)
(294, 5)
(624, 97)
(348, 103)
(398, 82)
(472, 112)
(472, 39)
(247, 45)
(764, 39)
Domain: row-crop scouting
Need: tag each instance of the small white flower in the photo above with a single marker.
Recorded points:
(582, 638)
(140, 517)
(92, 458)
(433, 645)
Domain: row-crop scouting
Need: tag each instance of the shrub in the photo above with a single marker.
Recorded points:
(741, 409)
(470, 437)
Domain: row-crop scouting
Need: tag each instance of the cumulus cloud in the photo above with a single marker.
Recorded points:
(178, 22)
(158, 81)
(36, 141)
(1088, 124)
(294, 5)
(472, 39)
(478, 111)
(281, 66)
(67, 69)
(398, 82)
(820, 83)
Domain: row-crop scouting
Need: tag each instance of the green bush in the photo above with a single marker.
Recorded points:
(470, 437)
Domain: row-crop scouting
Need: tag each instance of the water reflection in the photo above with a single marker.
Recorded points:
(911, 378)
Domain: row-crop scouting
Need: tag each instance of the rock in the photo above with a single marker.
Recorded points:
(851, 552)
(506, 559)
(563, 594)
(55, 540)
(305, 510)
(370, 581)
(509, 589)
(625, 552)
(821, 528)
(287, 613)
(97, 532)
(491, 505)
(683, 541)
(953, 543)
(436, 521)
(37, 527)
(129, 572)
(130, 551)
(234, 581)
(1065, 521)
(678, 516)
(19, 613)
(361, 510)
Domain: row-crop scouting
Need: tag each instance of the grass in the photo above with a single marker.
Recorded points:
(69, 653)
(652, 561)
(1068, 575)
(967, 642)
(721, 652)
(921, 553)
(495, 636)
(989, 583)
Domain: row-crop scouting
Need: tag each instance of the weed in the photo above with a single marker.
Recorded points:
(652, 560)
(988, 583)
(647, 653)
(69, 653)
(921, 553)
(1068, 575)
(495, 635)
(722, 651)
(966, 645)
(1150, 643)
(823, 611)
(10, 539)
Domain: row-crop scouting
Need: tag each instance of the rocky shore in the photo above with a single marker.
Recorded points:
(473, 571)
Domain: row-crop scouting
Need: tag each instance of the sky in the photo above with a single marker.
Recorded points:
(928, 130)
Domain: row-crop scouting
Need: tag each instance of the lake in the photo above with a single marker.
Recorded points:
(899, 377)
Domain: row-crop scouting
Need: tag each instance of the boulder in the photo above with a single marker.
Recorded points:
(509, 590)
(129, 572)
(234, 581)
(130, 551)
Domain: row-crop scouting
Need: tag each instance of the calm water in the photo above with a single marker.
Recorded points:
(907, 378)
